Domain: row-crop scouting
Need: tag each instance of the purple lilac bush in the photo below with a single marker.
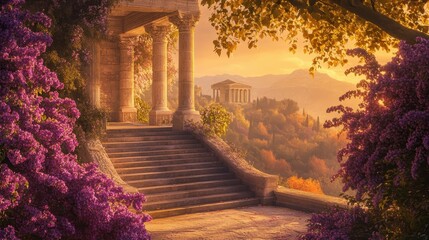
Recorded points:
(387, 159)
(340, 224)
(44, 192)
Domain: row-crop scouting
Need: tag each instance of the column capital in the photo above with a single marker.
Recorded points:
(158, 33)
(126, 42)
(184, 22)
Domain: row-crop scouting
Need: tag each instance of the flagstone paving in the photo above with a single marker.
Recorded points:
(259, 222)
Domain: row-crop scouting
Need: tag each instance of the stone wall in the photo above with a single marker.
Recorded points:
(94, 152)
(109, 78)
(305, 201)
(262, 184)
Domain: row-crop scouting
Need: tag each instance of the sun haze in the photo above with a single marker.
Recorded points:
(270, 57)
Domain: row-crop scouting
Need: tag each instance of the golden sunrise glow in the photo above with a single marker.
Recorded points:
(269, 57)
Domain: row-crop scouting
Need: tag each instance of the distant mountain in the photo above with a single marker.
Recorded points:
(315, 95)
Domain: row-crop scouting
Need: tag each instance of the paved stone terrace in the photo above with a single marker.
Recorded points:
(262, 222)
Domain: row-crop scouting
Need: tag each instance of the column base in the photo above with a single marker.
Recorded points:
(180, 118)
(160, 117)
(128, 114)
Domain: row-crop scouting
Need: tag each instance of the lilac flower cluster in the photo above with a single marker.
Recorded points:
(340, 224)
(387, 158)
(44, 192)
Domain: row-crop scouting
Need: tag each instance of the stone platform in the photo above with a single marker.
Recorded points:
(249, 223)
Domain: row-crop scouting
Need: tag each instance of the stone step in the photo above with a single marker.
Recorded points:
(139, 129)
(156, 152)
(162, 162)
(177, 156)
(189, 186)
(172, 174)
(114, 145)
(174, 170)
(166, 168)
(174, 203)
(203, 207)
(146, 138)
(140, 133)
(143, 183)
(154, 148)
(152, 198)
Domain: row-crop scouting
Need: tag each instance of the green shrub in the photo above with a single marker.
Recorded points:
(216, 119)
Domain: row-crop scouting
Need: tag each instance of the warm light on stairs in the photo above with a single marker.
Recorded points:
(174, 170)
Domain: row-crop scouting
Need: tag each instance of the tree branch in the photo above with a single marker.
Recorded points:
(385, 23)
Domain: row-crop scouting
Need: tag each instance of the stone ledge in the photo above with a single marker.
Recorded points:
(94, 152)
(305, 201)
(262, 184)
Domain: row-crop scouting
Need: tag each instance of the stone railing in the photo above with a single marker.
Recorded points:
(305, 201)
(262, 184)
(93, 151)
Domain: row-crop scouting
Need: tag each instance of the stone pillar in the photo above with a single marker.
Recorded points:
(94, 86)
(186, 109)
(160, 114)
(127, 111)
(248, 95)
(214, 94)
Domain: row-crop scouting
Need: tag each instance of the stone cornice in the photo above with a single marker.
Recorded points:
(184, 21)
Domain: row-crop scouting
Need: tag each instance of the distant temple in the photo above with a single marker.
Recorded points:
(229, 91)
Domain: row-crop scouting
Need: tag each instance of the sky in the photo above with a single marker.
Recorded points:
(269, 57)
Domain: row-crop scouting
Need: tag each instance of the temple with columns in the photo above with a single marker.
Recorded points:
(111, 83)
(229, 91)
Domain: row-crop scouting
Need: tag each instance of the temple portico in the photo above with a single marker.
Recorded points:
(111, 85)
(229, 91)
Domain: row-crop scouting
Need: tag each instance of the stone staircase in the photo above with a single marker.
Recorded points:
(174, 170)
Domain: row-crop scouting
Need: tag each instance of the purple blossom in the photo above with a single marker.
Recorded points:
(387, 159)
(44, 192)
(340, 224)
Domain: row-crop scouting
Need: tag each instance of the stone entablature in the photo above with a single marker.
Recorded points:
(229, 91)
(111, 85)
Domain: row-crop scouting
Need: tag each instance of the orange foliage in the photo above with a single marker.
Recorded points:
(260, 143)
(318, 166)
(307, 185)
(273, 164)
(262, 131)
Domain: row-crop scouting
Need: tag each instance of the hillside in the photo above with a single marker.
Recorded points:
(315, 95)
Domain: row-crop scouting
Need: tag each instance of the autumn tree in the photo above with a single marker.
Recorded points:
(307, 185)
(325, 25)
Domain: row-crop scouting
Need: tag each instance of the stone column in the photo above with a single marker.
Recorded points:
(249, 95)
(94, 86)
(127, 111)
(160, 114)
(214, 94)
(186, 109)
